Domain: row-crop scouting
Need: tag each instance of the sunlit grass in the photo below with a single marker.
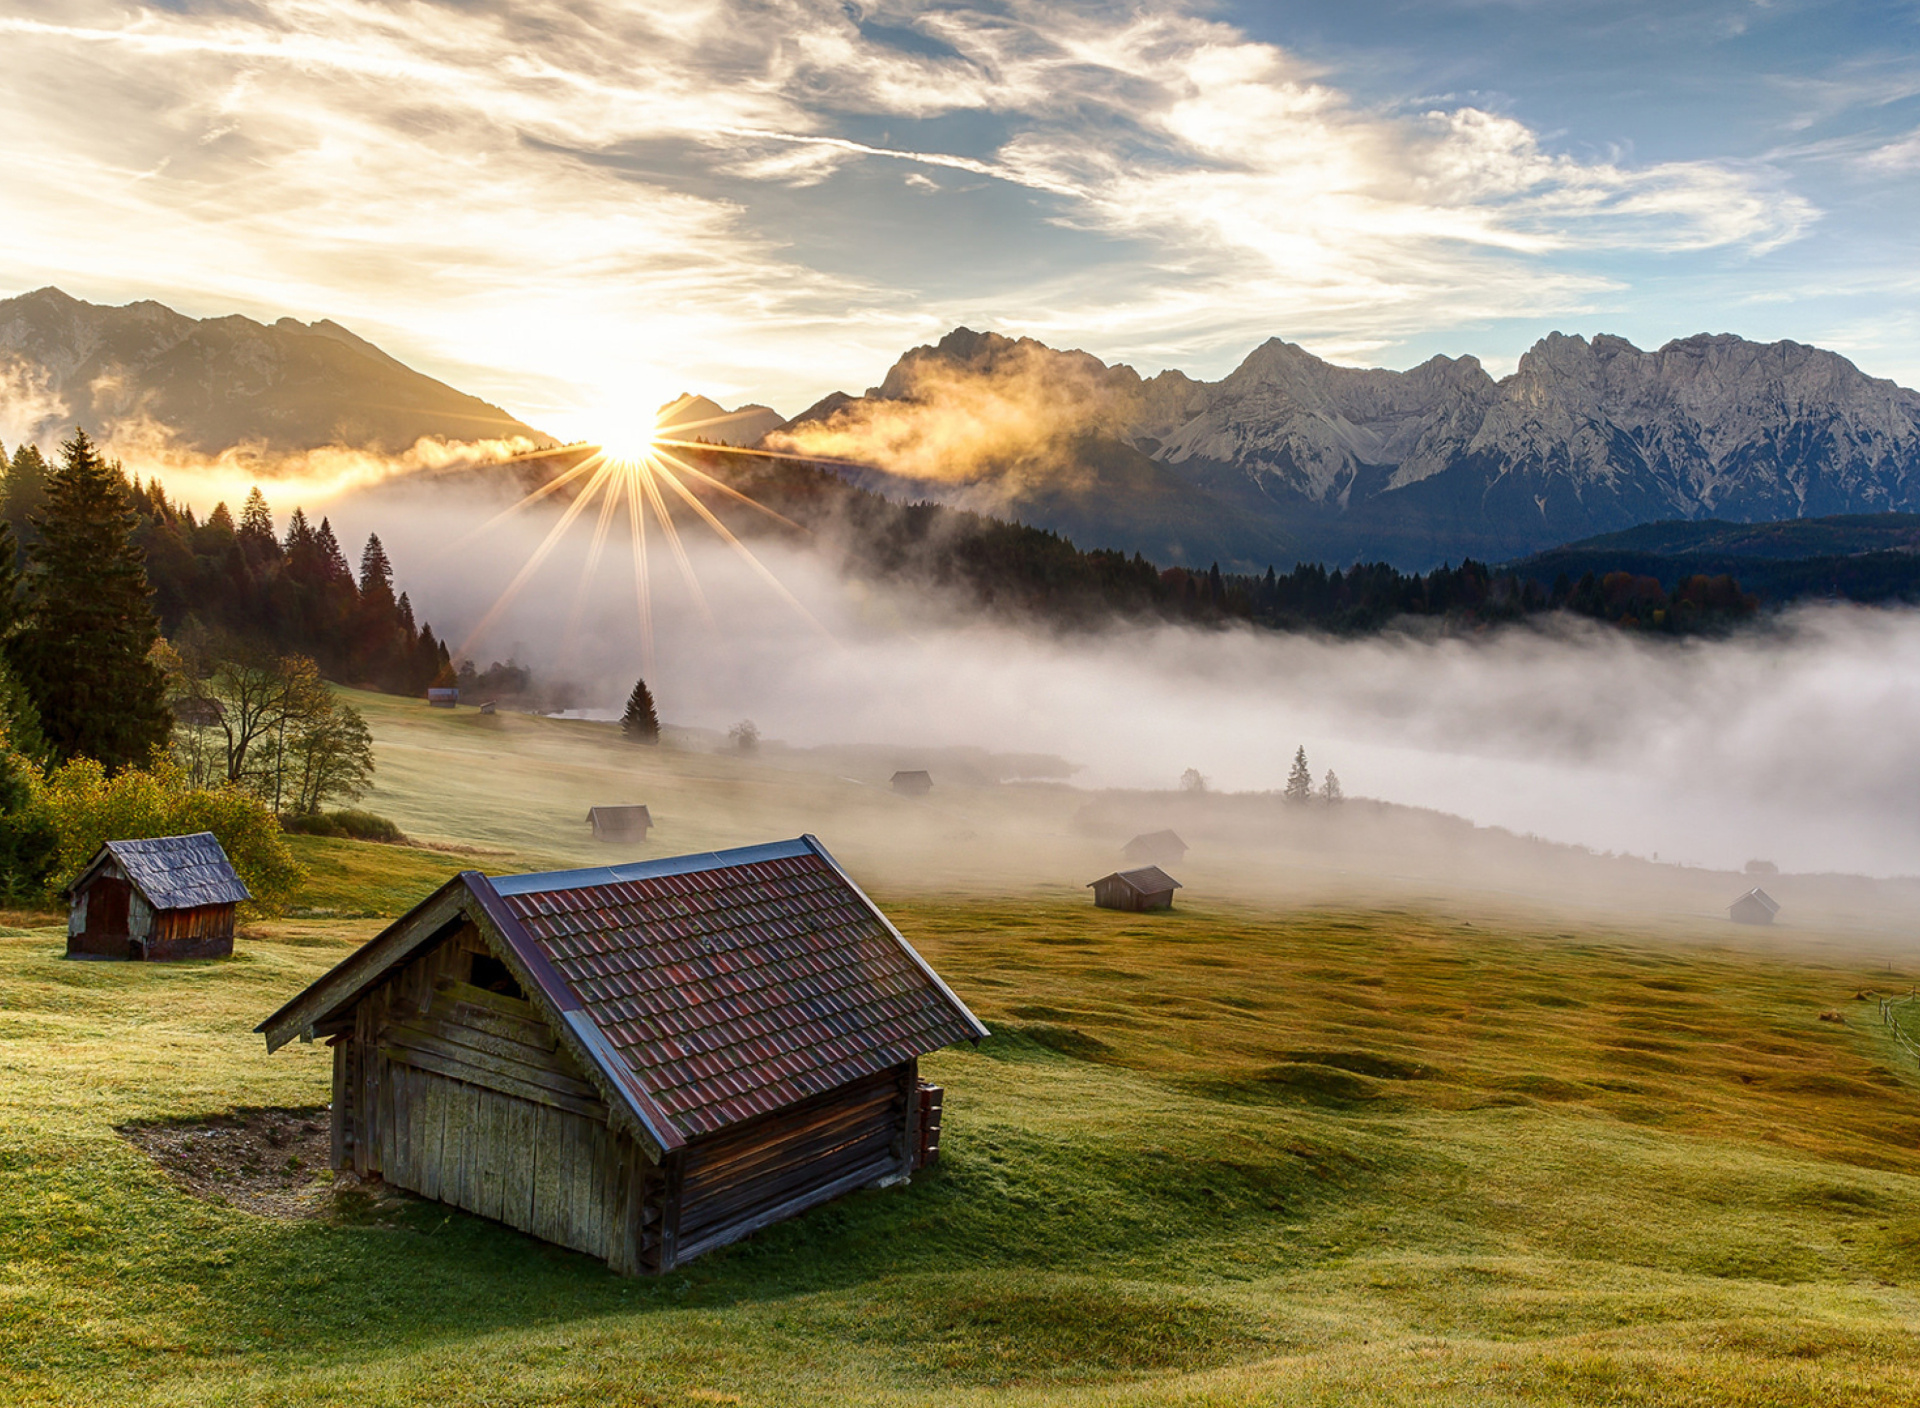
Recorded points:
(1239, 1152)
(1212, 1157)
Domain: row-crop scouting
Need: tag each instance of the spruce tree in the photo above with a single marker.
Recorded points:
(376, 573)
(1300, 780)
(640, 723)
(26, 491)
(81, 650)
(256, 519)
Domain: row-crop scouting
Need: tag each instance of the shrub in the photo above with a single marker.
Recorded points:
(350, 824)
(87, 808)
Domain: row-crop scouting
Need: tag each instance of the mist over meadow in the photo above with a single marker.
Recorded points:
(1798, 743)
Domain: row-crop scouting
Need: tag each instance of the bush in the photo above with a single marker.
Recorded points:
(350, 824)
(87, 808)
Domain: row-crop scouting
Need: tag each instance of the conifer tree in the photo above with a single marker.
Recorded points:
(256, 519)
(376, 573)
(26, 491)
(328, 547)
(88, 622)
(640, 723)
(1300, 780)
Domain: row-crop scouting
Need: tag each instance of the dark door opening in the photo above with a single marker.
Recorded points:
(108, 900)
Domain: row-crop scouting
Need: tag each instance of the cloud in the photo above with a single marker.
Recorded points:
(563, 205)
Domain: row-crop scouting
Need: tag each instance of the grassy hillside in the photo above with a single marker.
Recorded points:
(1428, 1144)
(1212, 1156)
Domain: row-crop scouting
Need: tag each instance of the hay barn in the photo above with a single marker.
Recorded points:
(913, 784)
(169, 897)
(1155, 848)
(442, 698)
(1754, 907)
(621, 823)
(642, 1062)
(1149, 887)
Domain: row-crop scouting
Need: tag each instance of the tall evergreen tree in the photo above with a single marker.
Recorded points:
(330, 554)
(1300, 780)
(640, 723)
(376, 573)
(26, 491)
(256, 519)
(81, 650)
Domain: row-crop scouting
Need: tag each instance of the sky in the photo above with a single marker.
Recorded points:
(579, 210)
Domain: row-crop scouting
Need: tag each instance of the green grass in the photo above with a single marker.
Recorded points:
(1215, 1156)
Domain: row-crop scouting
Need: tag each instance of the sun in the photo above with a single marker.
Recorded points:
(625, 438)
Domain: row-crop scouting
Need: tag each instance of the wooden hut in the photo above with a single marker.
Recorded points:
(915, 783)
(642, 1062)
(1155, 848)
(622, 823)
(169, 897)
(1149, 887)
(1756, 906)
(442, 698)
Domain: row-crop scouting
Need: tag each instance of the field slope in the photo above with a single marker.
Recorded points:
(1400, 1150)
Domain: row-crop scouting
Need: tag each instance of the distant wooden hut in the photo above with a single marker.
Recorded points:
(1756, 906)
(642, 1062)
(914, 783)
(622, 823)
(442, 698)
(1155, 848)
(1149, 887)
(169, 897)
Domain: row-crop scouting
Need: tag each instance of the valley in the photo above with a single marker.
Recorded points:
(1304, 1138)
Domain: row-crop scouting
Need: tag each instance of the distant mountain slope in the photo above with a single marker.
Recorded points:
(211, 384)
(1414, 467)
(1859, 557)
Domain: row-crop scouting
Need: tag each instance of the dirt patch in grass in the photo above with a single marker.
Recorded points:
(270, 1161)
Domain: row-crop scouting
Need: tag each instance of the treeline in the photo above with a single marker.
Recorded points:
(1036, 572)
(246, 580)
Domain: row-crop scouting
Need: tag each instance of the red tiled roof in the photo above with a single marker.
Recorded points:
(737, 983)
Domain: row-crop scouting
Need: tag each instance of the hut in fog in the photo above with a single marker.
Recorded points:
(622, 823)
(1756, 906)
(642, 1062)
(442, 698)
(169, 897)
(1149, 887)
(913, 784)
(1155, 848)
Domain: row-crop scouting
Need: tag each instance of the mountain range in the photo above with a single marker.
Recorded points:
(145, 374)
(1287, 458)
(1291, 457)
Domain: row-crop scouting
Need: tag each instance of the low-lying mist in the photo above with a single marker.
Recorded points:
(1799, 743)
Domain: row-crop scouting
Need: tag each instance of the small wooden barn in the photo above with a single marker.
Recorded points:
(169, 897)
(1155, 848)
(1756, 906)
(1149, 887)
(622, 823)
(642, 1062)
(442, 698)
(915, 783)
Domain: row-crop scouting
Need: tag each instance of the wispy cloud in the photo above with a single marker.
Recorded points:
(583, 202)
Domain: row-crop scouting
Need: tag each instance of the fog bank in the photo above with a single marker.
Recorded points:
(1799, 744)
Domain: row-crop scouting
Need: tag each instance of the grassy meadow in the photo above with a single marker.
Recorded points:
(1418, 1146)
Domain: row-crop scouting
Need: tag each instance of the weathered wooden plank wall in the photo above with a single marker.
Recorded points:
(755, 1174)
(463, 1095)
